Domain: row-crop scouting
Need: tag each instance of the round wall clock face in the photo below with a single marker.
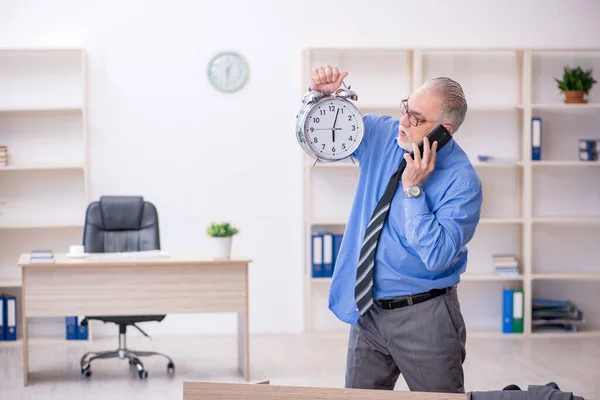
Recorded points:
(333, 129)
(228, 71)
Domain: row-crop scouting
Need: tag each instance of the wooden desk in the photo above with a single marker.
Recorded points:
(113, 284)
(241, 391)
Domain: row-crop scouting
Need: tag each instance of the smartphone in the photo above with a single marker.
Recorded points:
(438, 134)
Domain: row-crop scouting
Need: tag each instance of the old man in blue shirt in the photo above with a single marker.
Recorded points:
(413, 324)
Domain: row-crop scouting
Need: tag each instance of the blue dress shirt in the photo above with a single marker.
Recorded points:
(422, 244)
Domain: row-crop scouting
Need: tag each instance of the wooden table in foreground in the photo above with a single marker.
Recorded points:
(117, 284)
(241, 391)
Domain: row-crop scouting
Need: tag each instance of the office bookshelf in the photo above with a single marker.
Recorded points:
(537, 210)
(44, 186)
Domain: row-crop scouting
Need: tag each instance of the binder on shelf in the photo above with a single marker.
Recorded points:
(588, 150)
(337, 243)
(507, 310)
(2, 313)
(9, 316)
(317, 255)
(327, 270)
(71, 328)
(536, 138)
(517, 320)
(324, 251)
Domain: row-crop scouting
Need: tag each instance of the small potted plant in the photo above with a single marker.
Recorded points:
(576, 84)
(221, 235)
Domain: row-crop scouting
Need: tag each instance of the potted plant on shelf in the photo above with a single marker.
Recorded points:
(576, 84)
(221, 235)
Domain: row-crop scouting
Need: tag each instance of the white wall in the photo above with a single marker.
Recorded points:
(235, 156)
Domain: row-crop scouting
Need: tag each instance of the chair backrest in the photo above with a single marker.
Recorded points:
(121, 224)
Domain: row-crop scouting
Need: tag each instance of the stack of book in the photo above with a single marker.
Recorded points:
(3, 156)
(555, 316)
(505, 264)
(41, 257)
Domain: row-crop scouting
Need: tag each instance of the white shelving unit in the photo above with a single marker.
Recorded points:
(45, 184)
(537, 210)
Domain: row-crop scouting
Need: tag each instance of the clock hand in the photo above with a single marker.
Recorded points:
(333, 128)
(227, 71)
(327, 129)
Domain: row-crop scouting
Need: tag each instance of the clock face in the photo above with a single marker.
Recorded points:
(228, 71)
(333, 129)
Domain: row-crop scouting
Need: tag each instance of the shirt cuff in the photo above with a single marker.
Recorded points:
(414, 206)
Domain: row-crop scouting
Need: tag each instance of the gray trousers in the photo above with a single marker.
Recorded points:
(425, 342)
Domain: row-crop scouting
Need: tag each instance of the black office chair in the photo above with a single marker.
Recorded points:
(122, 224)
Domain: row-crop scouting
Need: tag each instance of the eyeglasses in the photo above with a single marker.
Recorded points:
(413, 119)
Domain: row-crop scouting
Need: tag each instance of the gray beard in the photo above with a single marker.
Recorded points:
(408, 146)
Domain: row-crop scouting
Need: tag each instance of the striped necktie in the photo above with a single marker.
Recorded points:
(363, 290)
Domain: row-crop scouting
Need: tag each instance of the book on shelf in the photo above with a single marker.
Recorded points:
(505, 264)
(548, 315)
(3, 156)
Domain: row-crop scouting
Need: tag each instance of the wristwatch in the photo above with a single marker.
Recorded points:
(413, 191)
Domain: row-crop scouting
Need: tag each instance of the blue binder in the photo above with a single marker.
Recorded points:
(507, 310)
(337, 243)
(536, 138)
(317, 255)
(2, 319)
(10, 317)
(327, 255)
(71, 327)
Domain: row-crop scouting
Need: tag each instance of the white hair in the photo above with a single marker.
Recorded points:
(454, 104)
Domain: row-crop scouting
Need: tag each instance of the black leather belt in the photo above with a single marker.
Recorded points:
(403, 301)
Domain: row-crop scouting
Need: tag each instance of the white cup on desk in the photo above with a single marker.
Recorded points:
(76, 250)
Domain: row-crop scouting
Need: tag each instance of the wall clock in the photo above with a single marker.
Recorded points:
(228, 71)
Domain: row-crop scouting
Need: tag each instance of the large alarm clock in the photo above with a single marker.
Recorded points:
(329, 127)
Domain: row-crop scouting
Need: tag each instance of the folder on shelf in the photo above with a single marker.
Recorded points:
(556, 315)
(327, 270)
(536, 138)
(507, 310)
(10, 317)
(317, 255)
(71, 327)
(2, 319)
(518, 309)
(337, 243)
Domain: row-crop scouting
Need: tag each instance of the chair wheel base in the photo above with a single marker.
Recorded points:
(133, 360)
